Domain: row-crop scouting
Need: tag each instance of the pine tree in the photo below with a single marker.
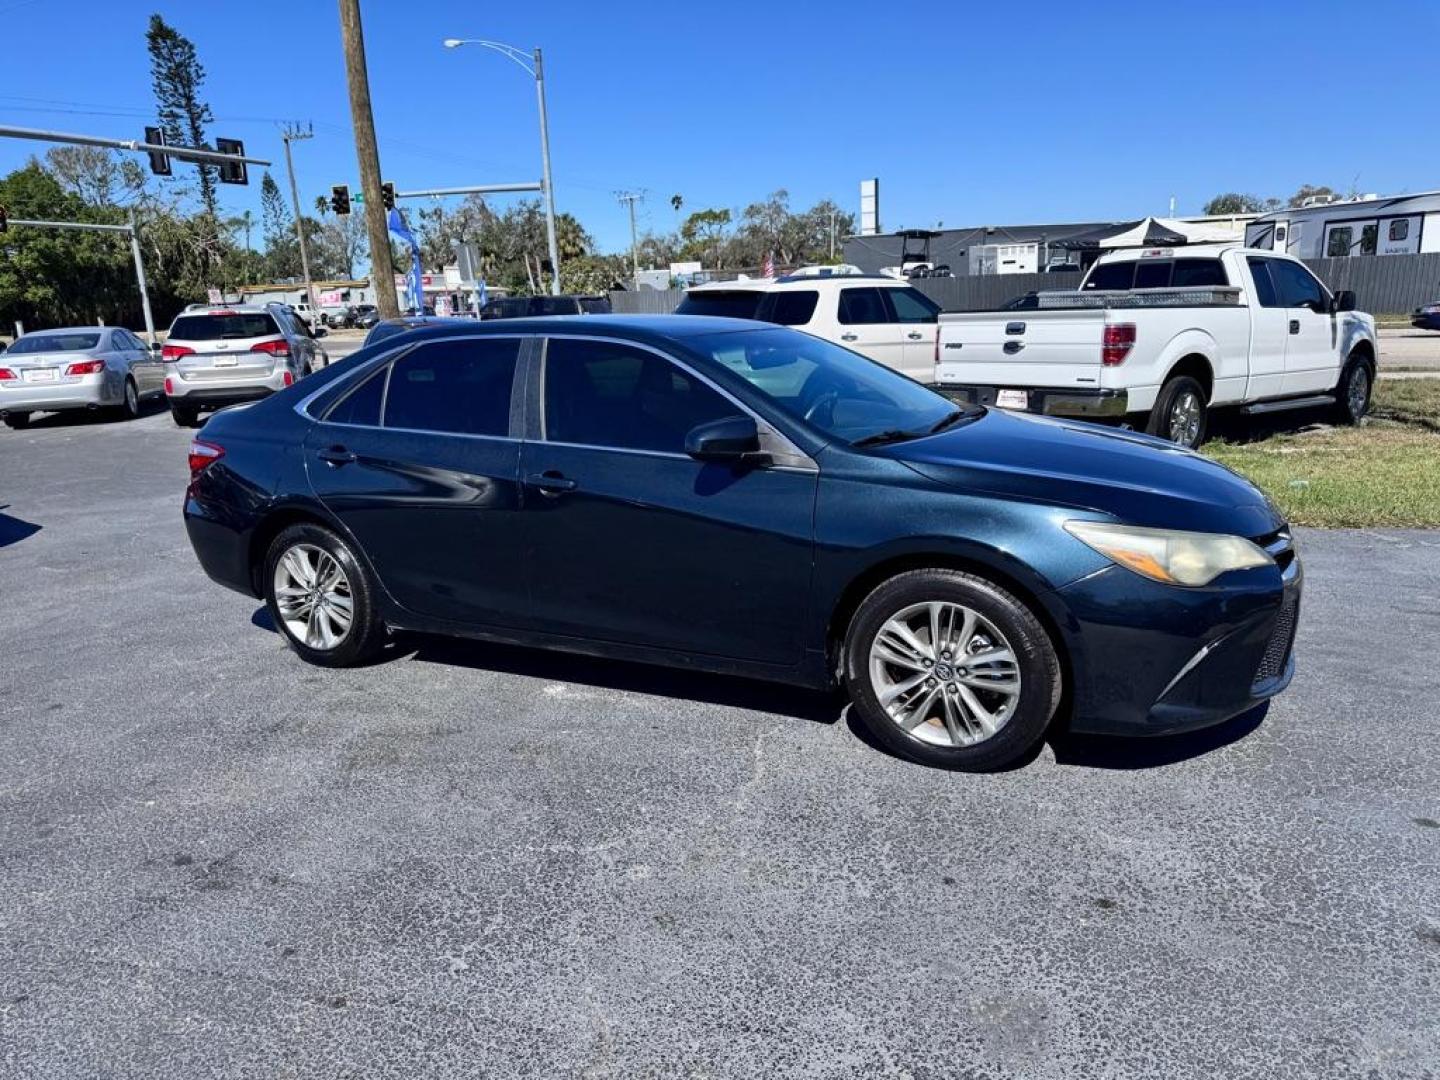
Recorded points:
(177, 74)
(277, 225)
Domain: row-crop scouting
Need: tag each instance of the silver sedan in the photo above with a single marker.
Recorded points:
(82, 367)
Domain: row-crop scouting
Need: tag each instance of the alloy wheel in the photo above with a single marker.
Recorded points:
(1185, 413)
(944, 674)
(1357, 393)
(313, 596)
(132, 399)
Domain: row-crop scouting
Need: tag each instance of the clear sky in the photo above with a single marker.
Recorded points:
(969, 113)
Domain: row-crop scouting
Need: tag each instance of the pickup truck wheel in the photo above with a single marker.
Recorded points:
(1179, 412)
(1352, 396)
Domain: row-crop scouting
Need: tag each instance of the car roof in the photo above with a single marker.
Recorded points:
(641, 328)
(1187, 251)
(790, 284)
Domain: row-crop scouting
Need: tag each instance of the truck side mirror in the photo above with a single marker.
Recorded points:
(1344, 300)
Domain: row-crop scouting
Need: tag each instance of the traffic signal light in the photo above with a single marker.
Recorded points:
(232, 172)
(159, 162)
(387, 195)
(340, 199)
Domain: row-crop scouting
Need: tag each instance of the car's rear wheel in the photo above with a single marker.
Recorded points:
(184, 415)
(130, 403)
(1179, 412)
(320, 597)
(1352, 394)
(17, 420)
(949, 669)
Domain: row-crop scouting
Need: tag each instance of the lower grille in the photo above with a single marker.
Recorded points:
(1277, 649)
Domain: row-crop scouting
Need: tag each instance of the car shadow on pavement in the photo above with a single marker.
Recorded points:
(13, 529)
(624, 675)
(1151, 752)
(86, 417)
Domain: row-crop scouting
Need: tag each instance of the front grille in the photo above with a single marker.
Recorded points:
(1280, 545)
(1277, 649)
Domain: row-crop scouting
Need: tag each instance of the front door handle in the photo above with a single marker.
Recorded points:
(1294, 326)
(336, 456)
(550, 483)
(914, 336)
(849, 337)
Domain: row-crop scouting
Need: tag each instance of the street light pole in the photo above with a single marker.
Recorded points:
(293, 134)
(537, 72)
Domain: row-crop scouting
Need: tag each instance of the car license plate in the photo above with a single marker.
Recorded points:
(1013, 399)
(44, 374)
(226, 361)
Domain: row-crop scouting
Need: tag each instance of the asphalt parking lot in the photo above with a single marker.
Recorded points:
(479, 861)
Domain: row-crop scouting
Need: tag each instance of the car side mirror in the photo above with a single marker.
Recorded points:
(734, 439)
(1344, 300)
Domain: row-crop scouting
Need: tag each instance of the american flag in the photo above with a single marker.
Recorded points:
(767, 268)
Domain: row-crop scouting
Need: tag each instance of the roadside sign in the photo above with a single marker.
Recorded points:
(214, 296)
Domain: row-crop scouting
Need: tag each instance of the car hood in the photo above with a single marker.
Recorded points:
(1136, 478)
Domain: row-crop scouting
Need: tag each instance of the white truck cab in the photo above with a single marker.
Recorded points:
(1164, 335)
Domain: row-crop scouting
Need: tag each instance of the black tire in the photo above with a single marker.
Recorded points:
(1354, 390)
(130, 401)
(1173, 417)
(1036, 661)
(365, 635)
(17, 420)
(184, 415)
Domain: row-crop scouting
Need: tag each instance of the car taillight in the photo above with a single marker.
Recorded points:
(289, 377)
(169, 386)
(6, 374)
(1116, 343)
(86, 367)
(274, 348)
(174, 352)
(203, 455)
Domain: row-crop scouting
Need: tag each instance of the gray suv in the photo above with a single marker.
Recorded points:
(216, 356)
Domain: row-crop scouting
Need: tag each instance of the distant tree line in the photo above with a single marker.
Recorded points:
(1233, 202)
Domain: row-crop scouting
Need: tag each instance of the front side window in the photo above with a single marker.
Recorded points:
(456, 385)
(1338, 245)
(1265, 294)
(1295, 286)
(608, 394)
(912, 306)
(861, 306)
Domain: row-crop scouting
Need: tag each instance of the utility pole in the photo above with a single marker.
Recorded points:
(631, 198)
(549, 184)
(292, 133)
(140, 277)
(382, 273)
(832, 236)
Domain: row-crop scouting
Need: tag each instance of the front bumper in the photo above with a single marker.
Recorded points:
(1152, 659)
(76, 392)
(1082, 403)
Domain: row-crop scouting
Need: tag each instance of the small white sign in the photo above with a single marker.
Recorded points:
(214, 295)
(1012, 399)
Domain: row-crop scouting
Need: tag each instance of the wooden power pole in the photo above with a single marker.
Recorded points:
(382, 273)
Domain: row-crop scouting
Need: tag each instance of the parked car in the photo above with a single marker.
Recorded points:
(879, 317)
(79, 367)
(1427, 317)
(224, 355)
(724, 496)
(521, 307)
(1162, 336)
(388, 328)
(366, 316)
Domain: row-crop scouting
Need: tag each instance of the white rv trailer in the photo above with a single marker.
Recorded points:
(1369, 225)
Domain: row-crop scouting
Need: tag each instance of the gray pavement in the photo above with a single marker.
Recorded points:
(478, 861)
(1409, 349)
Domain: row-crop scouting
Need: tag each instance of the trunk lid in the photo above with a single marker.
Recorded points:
(1023, 348)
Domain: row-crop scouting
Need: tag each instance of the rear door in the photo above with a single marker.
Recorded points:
(866, 325)
(919, 318)
(420, 462)
(222, 345)
(1269, 332)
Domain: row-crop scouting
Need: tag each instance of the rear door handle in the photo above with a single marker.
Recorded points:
(550, 483)
(1013, 347)
(914, 336)
(336, 455)
(1294, 326)
(849, 337)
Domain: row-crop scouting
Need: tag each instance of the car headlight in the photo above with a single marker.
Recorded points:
(1168, 555)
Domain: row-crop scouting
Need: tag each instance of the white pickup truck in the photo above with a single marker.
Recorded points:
(1163, 335)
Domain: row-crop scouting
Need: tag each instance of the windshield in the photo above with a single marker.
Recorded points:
(35, 343)
(730, 303)
(223, 327)
(833, 389)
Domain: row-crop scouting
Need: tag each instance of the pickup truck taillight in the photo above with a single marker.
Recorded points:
(1116, 343)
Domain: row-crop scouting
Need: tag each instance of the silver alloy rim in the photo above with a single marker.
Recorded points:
(944, 674)
(313, 596)
(1359, 392)
(1185, 418)
(132, 401)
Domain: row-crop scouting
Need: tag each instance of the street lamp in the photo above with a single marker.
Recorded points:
(537, 72)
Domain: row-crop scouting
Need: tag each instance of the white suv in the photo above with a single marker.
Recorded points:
(887, 320)
(217, 356)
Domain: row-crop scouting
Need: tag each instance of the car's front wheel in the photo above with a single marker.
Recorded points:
(949, 669)
(320, 597)
(1352, 395)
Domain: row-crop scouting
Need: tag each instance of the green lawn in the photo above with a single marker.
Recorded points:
(1385, 472)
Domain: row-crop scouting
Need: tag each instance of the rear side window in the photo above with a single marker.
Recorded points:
(362, 405)
(1152, 273)
(459, 386)
(223, 327)
(730, 304)
(912, 306)
(859, 306)
(788, 308)
(1194, 273)
(1264, 287)
(1108, 276)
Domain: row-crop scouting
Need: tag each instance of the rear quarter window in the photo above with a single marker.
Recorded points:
(223, 327)
(794, 308)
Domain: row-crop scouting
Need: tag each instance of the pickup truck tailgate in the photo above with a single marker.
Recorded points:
(1024, 348)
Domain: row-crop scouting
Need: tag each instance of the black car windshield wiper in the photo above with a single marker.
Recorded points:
(880, 438)
(953, 418)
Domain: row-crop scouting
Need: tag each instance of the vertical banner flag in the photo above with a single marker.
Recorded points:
(417, 277)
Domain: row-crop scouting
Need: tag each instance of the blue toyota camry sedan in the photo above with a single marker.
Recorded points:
(735, 497)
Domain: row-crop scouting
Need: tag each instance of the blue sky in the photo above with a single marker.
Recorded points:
(969, 113)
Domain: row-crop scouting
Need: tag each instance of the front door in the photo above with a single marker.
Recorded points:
(419, 463)
(866, 326)
(919, 319)
(631, 540)
(1311, 348)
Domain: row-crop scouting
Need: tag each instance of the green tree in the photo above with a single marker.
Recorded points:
(277, 225)
(177, 76)
(703, 237)
(1232, 202)
(1308, 191)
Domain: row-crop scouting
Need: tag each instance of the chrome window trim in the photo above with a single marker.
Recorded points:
(801, 461)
